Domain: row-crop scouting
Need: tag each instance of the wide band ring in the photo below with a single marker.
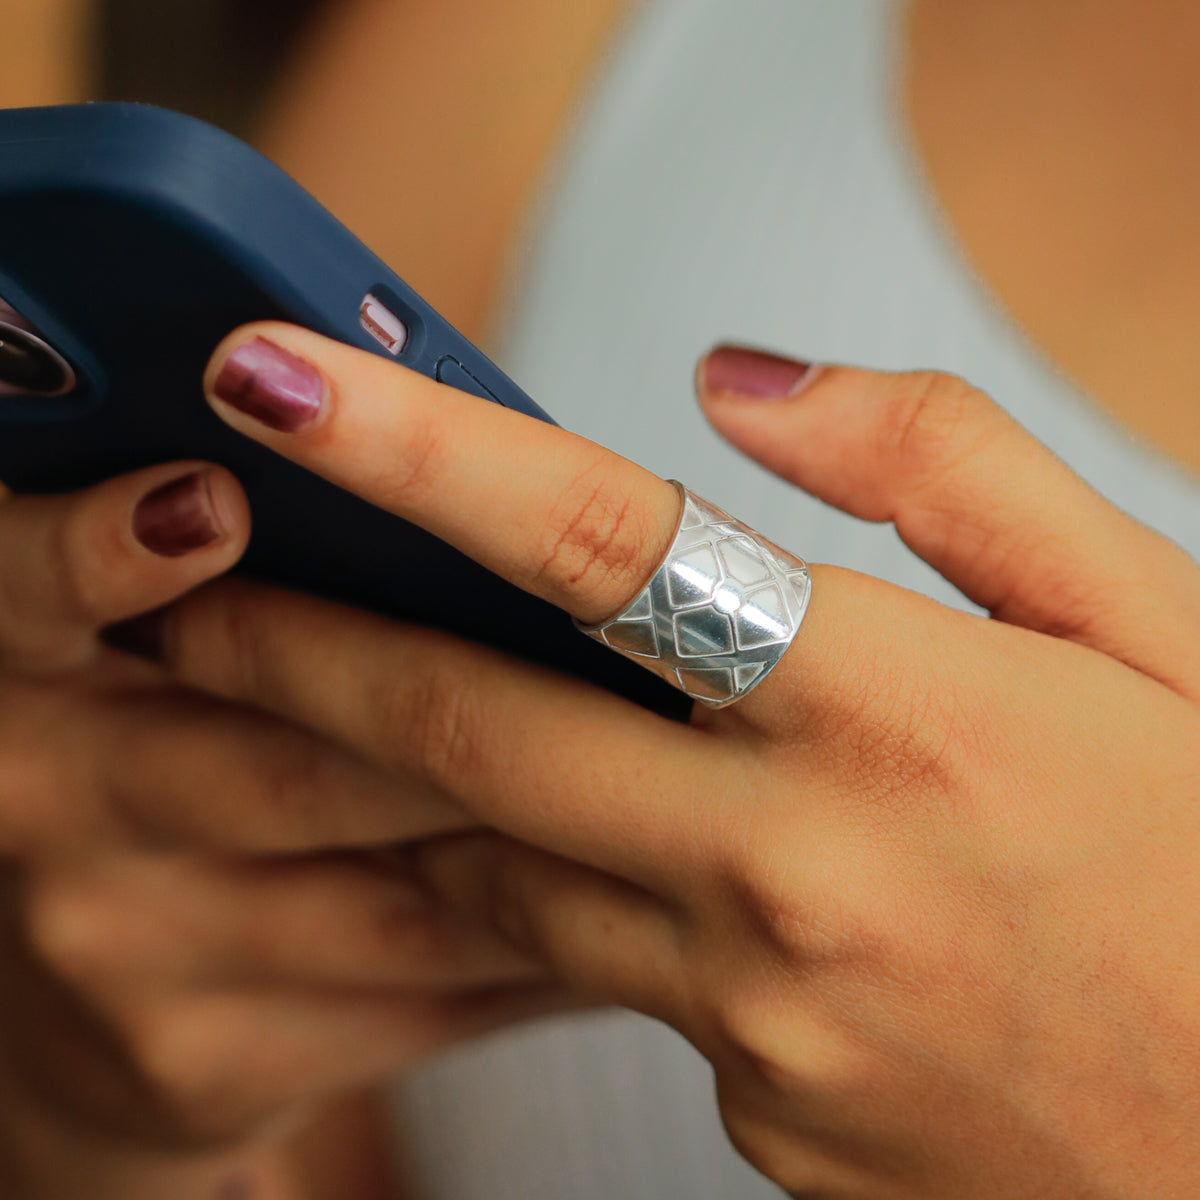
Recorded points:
(718, 613)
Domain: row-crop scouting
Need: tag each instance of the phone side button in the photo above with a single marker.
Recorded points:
(452, 373)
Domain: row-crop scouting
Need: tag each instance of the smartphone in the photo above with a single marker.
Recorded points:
(132, 239)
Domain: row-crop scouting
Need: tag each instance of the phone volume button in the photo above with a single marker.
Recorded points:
(452, 373)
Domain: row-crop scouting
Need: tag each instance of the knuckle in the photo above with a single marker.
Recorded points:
(268, 795)
(787, 919)
(767, 1040)
(68, 929)
(183, 1056)
(445, 722)
(290, 784)
(778, 1154)
(595, 539)
(797, 934)
(509, 903)
(822, 1074)
(749, 1138)
(737, 1018)
(418, 466)
(217, 642)
(913, 754)
(780, 898)
(172, 1061)
(934, 422)
(827, 913)
(899, 741)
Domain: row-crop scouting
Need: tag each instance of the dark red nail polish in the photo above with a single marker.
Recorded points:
(177, 518)
(143, 637)
(271, 384)
(752, 373)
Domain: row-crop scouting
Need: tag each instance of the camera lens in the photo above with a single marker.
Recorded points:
(28, 365)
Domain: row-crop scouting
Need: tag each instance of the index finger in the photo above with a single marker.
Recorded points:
(549, 511)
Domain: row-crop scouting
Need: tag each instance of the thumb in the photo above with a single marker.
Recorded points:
(972, 493)
(72, 564)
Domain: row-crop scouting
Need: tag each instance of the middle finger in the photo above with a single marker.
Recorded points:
(546, 758)
(329, 920)
(179, 771)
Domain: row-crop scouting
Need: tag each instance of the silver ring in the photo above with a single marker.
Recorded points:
(718, 613)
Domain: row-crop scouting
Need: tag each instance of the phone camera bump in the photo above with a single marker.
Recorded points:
(29, 365)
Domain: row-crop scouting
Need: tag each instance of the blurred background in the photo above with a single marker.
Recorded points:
(212, 58)
(289, 76)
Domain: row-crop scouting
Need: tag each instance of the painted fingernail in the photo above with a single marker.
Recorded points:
(143, 637)
(754, 373)
(271, 384)
(177, 518)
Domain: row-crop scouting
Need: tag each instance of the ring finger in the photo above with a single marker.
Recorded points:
(182, 771)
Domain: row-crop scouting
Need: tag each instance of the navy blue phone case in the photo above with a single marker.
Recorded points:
(134, 239)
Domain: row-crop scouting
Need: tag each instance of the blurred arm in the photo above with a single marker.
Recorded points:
(424, 126)
(43, 52)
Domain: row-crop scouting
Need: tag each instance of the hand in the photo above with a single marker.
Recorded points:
(192, 947)
(927, 898)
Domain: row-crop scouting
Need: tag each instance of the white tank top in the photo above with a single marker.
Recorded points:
(738, 173)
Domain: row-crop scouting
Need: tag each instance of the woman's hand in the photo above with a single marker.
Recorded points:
(192, 948)
(928, 898)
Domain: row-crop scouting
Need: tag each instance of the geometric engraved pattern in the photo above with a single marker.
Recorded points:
(718, 613)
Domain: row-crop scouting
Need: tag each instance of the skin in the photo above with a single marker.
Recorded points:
(43, 57)
(447, 197)
(198, 949)
(962, 59)
(315, 1135)
(1081, 216)
(941, 881)
(1101, 277)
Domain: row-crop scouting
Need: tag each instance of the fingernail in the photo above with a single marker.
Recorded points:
(754, 373)
(271, 384)
(177, 518)
(143, 637)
